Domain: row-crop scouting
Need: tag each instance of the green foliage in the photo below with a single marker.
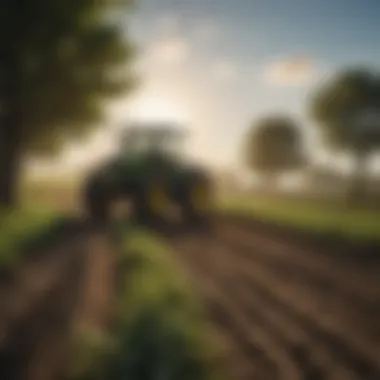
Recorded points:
(23, 231)
(273, 145)
(60, 61)
(161, 330)
(89, 350)
(337, 104)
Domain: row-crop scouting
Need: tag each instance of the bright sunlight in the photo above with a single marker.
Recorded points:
(149, 109)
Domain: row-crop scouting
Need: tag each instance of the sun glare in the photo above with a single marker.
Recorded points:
(158, 110)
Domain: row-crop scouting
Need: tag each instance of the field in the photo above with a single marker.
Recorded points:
(286, 311)
(92, 303)
(48, 296)
(318, 217)
(283, 305)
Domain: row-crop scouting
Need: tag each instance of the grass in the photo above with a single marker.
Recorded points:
(56, 194)
(161, 330)
(23, 231)
(307, 216)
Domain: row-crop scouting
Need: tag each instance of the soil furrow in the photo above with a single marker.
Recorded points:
(263, 315)
(348, 310)
(67, 289)
(359, 354)
(283, 305)
(355, 280)
(257, 342)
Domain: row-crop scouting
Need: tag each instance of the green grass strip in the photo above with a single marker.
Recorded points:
(162, 331)
(342, 221)
(25, 230)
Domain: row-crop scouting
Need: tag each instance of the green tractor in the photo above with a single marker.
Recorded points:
(153, 176)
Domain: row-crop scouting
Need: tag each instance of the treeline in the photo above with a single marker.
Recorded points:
(345, 110)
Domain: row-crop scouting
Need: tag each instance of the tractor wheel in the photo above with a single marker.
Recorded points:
(196, 205)
(96, 199)
(151, 205)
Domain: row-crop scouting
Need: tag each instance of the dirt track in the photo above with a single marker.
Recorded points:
(48, 300)
(286, 312)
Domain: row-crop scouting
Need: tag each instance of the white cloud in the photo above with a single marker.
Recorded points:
(225, 71)
(294, 71)
(169, 51)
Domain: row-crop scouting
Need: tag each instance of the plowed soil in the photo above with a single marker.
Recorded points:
(285, 310)
(47, 301)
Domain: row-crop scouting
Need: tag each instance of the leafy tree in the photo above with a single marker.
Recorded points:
(347, 111)
(274, 145)
(60, 60)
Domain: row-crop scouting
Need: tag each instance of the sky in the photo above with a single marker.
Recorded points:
(217, 65)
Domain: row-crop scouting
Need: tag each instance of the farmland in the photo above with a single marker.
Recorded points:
(287, 312)
(322, 216)
(86, 301)
(248, 297)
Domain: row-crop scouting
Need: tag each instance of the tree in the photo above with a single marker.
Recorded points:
(347, 111)
(59, 62)
(274, 145)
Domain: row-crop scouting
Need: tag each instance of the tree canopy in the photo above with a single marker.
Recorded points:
(347, 110)
(59, 62)
(273, 145)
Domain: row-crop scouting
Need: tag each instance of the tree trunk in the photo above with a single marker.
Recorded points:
(10, 122)
(9, 163)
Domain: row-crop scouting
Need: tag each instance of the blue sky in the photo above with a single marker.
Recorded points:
(219, 64)
(323, 26)
(336, 32)
(247, 37)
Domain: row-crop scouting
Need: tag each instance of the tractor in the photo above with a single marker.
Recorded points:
(150, 172)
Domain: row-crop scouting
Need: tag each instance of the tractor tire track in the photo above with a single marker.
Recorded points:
(330, 295)
(49, 300)
(266, 355)
(279, 303)
(298, 307)
(359, 281)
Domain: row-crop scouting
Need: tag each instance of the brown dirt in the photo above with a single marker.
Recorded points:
(287, 310)
(353, 251)
(48, 300)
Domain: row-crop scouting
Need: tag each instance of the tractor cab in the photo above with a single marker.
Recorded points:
(154, 139)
